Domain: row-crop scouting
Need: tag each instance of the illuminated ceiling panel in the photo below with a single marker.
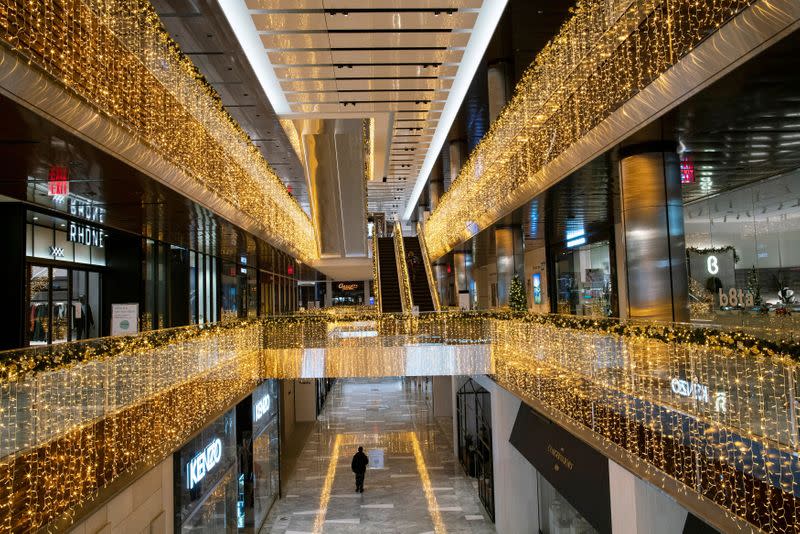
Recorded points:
(409, 61)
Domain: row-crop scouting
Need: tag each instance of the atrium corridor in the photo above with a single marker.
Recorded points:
(419, 487)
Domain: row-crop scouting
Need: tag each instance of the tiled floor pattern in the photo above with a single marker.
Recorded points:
(419, 488)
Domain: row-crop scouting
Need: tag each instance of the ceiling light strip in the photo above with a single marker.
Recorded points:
(245, 30)
(487, 20)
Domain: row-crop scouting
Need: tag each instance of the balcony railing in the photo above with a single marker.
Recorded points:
(711, 414)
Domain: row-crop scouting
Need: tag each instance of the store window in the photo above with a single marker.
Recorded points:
(743, 257)
(206, 481)
(266, 454)
(583, 278)
(348, 294)
(68, 240)
(64, 280)
(556, 514)
(474, 420)
(202, 288)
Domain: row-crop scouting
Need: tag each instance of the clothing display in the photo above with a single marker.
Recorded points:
(82, 320)
(39, 322)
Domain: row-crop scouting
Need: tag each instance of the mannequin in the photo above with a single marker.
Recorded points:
(83, 318)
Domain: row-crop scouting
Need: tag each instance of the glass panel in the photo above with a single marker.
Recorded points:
(230, 308)
(60, 315)
(39, 302)
(98, 255)
(742, 255)
(556, 515)
(217, 514)
(42, 241)
(583, 277)
(28, 239)
(95, 300)
(252, 292)
(193, 287)
(265, 470)
(161, 286)
(213, 297)
(149, 312)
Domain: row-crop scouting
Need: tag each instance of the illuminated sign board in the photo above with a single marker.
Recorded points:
(697, 391)
(58, 181)
(262, 406)
(576, 235)
(537, 288)
(87, 211)
(85, 234)
(203, 462)
(687, 170)
(352, 286)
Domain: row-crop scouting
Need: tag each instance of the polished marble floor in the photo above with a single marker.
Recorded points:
(414, 484)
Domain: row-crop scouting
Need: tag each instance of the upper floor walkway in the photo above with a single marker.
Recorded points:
(708, 414)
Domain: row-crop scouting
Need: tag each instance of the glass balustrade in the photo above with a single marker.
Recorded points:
(713, 410)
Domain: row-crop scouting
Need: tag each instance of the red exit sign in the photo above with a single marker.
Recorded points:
(58, 181)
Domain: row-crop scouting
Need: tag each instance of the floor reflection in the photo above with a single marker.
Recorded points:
(413, 485)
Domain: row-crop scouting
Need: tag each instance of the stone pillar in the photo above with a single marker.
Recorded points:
(510, 259)
(435, 185)
(442, 394)
(476, 107)
(652, 221)
(328, 293)
(462, 264)
(498, 88)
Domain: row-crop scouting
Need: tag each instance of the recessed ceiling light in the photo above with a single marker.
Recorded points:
(36, 218)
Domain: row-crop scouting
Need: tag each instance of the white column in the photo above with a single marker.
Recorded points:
(305, 400)
(639, 507)
(516, 498)
(442, 393)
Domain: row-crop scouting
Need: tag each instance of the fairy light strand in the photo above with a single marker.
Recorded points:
(608, 51)
(116, 56)
(708, 409)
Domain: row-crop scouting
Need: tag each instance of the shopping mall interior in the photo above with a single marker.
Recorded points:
(400, 266)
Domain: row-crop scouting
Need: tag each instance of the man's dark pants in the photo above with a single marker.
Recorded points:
(359, 481)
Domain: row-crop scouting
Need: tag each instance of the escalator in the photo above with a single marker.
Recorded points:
(417, 277)
(389, 282)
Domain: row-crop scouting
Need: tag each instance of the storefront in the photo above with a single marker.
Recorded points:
(266, 452)
(228, 476)
(65, 260)
(582, 267)
(348, 293)
(474, 429)
(742, 254)
(572, 478)
(85, 231)
(206, 480)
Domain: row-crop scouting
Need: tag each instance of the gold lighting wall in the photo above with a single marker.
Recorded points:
(116, 56)
(608, 51)
(709, 414)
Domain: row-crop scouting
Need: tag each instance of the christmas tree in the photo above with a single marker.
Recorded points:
(517, 300)
(753, 286)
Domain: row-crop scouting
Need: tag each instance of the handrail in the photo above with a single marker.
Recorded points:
(428, 270)
(376, 272)
(402, 269)
(732, 394)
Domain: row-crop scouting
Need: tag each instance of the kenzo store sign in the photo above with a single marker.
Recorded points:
(203, 462)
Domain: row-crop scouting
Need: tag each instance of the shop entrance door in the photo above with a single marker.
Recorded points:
(63, 304)
(85, 304)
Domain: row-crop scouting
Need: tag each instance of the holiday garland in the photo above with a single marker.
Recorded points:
(17, 364)
(714, 250)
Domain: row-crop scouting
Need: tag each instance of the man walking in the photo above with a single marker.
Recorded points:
(359, 466)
